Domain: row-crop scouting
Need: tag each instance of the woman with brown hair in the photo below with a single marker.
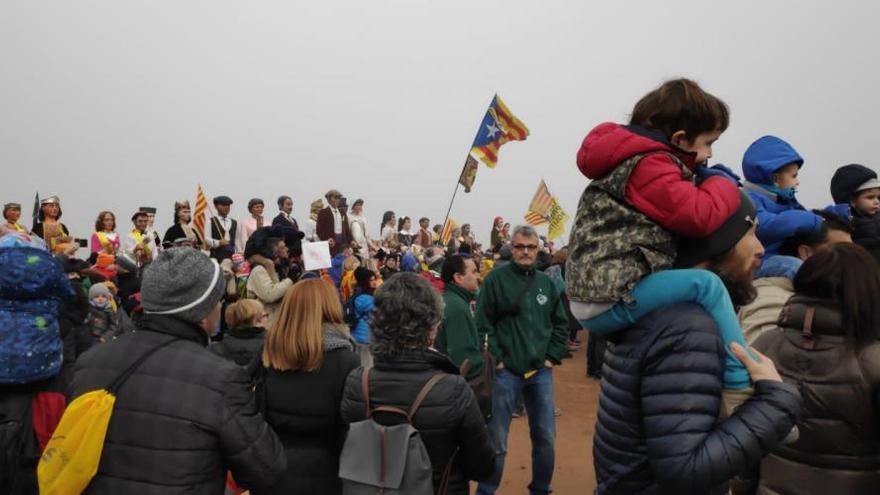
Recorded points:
(105, 239)
(307, 355)
(827, 345)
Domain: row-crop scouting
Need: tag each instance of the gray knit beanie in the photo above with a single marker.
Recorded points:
(99, 290)
(182, 282)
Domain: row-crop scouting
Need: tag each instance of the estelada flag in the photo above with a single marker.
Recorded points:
(539, 209)
(201, 208)
(469, 173)
(498, 127)
(446, 234)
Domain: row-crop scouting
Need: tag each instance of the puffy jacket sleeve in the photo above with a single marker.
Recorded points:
(688, 451)
(775, 227)
(260, 283)
(657, 189)
(252, 450)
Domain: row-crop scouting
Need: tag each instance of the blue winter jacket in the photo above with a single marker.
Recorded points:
(658, 428)
(363, 306)
(778, 217)
(33, 287)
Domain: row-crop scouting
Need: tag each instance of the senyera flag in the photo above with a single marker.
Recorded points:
(499, 126)
(446, 234)
(201, 208)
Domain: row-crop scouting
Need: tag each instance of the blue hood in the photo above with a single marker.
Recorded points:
(765, 156)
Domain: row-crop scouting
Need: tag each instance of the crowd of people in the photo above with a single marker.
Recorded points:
(734, 332)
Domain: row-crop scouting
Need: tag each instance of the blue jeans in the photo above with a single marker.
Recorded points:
(538, 394)
(669, 287)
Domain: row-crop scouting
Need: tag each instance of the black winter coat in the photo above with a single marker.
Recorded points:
(303, 409)
(448, 419)
(241, 345)
(658, 427)
(867, 232)
(182, 419)
(838, 450)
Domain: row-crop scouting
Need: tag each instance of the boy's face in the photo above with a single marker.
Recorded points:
(701, 145)
(867, 201)
(786, 176)
(100, 300)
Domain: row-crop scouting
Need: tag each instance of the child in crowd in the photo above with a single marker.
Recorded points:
(771, 167)
(858, 188)
(644, 195)
(105, 321)
(348, 283)
(246, 320)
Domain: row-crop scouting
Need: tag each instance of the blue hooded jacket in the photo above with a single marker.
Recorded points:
(780, 216)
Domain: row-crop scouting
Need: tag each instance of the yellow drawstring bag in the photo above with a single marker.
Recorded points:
(71, 458)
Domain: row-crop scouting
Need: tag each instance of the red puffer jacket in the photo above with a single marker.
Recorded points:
(656, 187)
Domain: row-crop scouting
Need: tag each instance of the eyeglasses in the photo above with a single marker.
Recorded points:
(525, 247)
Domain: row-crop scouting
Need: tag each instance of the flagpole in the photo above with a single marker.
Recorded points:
(457, 186)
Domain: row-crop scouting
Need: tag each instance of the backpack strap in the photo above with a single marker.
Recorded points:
(424, 393)
(121, 379)
(365, 390)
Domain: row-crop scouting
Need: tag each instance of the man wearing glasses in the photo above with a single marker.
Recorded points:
(523, 315)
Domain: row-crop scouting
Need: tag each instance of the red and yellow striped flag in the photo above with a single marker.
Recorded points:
(446, 234)
(539, 208)
(199, 213)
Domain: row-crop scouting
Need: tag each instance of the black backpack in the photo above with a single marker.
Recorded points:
(349, 312)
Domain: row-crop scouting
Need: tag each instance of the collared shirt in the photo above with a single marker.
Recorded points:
(337, 221)
(224, 222)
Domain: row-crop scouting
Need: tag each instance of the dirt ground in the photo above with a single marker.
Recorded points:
(577, 396)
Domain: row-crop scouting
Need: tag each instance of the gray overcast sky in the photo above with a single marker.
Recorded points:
(118, 104)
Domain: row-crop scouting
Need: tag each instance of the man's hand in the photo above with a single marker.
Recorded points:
(223, 242)
(548, 363)
(760, 369)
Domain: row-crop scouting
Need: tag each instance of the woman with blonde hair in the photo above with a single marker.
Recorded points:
(307, 355)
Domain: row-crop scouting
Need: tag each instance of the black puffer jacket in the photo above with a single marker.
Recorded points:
(658, 429)
(303, 408)
(867, 232)
(448, 419)
(838, 450)
(181, 420)
(240, 345)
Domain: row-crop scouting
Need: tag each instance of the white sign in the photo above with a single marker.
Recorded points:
(316, 255)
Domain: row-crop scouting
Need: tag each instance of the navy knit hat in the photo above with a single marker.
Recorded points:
(692, 251)
(850, 179)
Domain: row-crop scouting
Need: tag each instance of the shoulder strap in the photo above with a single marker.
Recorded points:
(424, 393)
(365, 389)
(121, 379)
(513, 309)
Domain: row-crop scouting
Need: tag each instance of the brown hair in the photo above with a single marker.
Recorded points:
(296, 339)
(99, 222)
(243, 313)
(848, 276)
(681, 105)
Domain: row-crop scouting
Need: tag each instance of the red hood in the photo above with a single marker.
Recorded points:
(609, 144)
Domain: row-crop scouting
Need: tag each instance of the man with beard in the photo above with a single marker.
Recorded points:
(138, 243)
(658, 427)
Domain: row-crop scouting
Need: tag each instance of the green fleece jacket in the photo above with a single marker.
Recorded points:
(538, 332)
(458, 337)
